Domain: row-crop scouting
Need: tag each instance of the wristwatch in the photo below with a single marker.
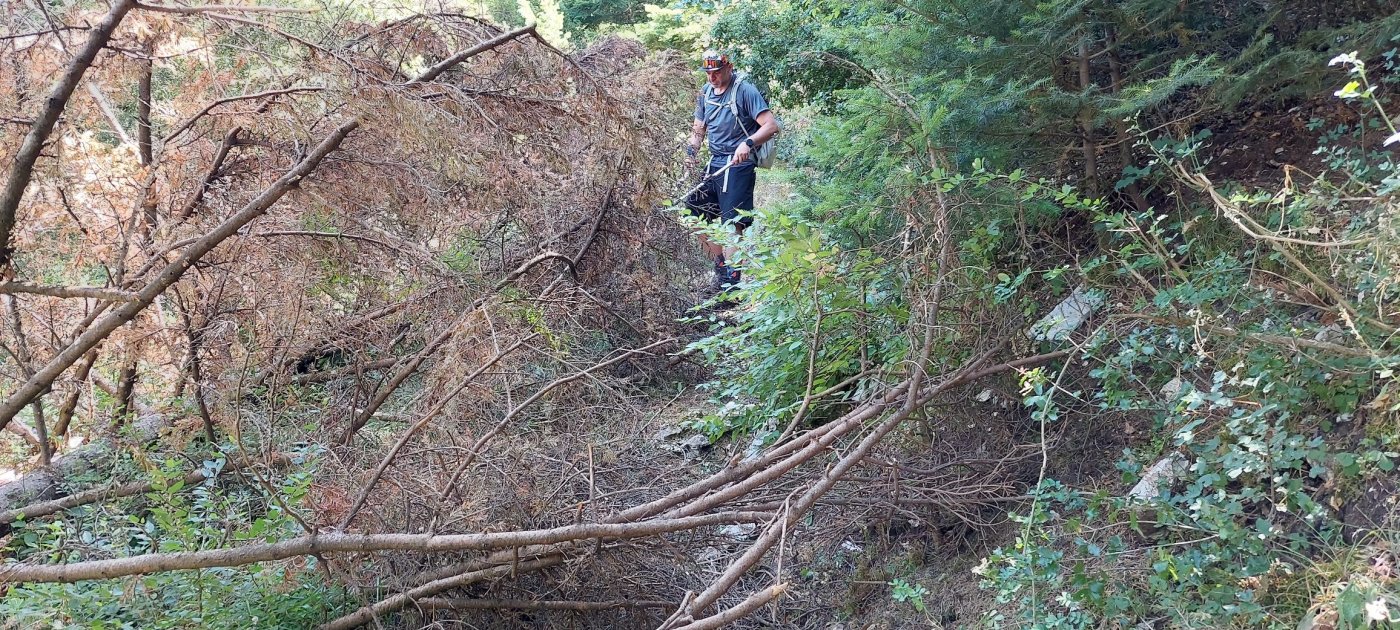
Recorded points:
(749, 141)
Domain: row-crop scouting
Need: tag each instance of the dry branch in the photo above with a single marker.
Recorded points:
(212, 8)
(354, 370)
(745, 608)
(398, 602)
(445, 64)
(481, 442)
(333, 542)
(439, 603)
(44, 378)
(437, 342)
(230, 141)
(96, 293)
(431, 414)
(189, 122)
(22, 169)
(808, 499)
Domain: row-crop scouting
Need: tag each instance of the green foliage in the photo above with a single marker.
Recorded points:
(913, 594)
(1014, 82)
(172, 518)
(548, 18)
(1265, 431)
(795, 277)
(683, 28)
(590, 14)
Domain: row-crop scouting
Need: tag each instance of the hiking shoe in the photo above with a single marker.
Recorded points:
(731, 280)
(725, 277)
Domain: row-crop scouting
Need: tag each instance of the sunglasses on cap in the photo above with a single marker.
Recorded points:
(714, 62)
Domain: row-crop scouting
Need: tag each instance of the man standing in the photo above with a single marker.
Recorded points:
(734, 118)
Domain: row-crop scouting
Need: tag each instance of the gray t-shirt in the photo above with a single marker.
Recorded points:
(721, 130)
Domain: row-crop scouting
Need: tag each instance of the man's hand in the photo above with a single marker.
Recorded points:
(741, 154)
(692, 157)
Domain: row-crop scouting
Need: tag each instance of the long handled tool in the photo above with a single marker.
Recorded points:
(704, 180)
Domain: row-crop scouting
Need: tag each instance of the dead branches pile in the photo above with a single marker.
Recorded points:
(430, 246)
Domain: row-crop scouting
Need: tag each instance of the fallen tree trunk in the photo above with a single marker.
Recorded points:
(442, 603)
(314, 544)
(704, 494)
(43, 484)
(107, 493)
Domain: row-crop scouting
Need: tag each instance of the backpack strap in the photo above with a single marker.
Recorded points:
(734, 103)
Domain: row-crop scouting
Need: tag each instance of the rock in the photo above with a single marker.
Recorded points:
(850, 546)
(756, 446)
(667, 432)
(741, 531)
(1067, 316)
(984, 395)
(1161, 475)
(709, 555)
(1330, 333)
(1172, 390)
(689, 446)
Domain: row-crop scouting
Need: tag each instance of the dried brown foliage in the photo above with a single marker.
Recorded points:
(459, 303)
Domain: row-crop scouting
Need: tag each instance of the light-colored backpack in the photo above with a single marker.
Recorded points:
(763, 154)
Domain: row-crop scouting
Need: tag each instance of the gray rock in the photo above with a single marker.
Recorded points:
(1331, 333)
(1161, 475)
(1067, 316)
(667, 432)
(1172, 389)
(694, 443)
(741, 531)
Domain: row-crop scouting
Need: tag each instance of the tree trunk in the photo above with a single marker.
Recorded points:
(1086, 120)
(1124, 139)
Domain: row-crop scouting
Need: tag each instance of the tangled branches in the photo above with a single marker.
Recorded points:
(438, 242)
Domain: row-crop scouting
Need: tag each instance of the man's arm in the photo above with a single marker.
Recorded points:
(696, 139)
(767, 128)
(697, 136)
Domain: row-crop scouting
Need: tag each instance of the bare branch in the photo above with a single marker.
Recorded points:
(96, 293)
(438, 603)
(330, 375)
(230, 141)
(745, 608)
(208, 8)
(445, 64)
(104, 105)
(353, 237)
(55, 29)
(189, 122)
(334, 542)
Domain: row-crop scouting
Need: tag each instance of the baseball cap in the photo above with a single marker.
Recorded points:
(713, 60)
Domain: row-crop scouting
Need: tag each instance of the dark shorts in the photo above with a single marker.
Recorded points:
(716, 201)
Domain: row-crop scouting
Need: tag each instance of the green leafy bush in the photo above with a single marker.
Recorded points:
(172, 518)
